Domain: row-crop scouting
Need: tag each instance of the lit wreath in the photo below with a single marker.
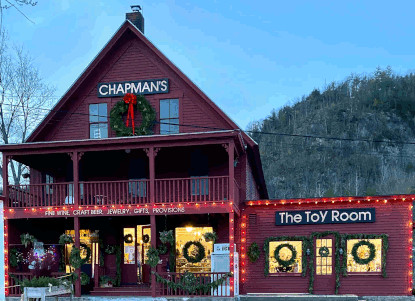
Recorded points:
(146, 238)
(372, 252)
(128, 238)
(75, 259)
(200, 252)
(289, 262)
(148, 115)
(324, 252)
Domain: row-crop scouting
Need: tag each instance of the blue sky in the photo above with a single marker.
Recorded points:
(248, 56)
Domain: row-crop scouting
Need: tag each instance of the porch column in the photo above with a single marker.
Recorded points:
(77, 245)
(4, 254)
(153, 244)
(231, 250)
(152, 153)
(231, 155)
(5, 175)
(75, 165)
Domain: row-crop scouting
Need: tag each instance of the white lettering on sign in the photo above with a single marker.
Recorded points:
(169, 210)
(118, 211)
(152, 86)
(329, 216)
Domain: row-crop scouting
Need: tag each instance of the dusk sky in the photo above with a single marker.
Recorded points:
(249, 57)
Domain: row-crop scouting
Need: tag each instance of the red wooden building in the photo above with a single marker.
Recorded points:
(113, 195)
(191, 171)
(333, 239)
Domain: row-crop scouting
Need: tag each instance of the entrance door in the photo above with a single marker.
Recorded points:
(325, 277)
(136, 242)
(129, 265)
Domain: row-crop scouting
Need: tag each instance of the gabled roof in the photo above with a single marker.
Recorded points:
(128, 26)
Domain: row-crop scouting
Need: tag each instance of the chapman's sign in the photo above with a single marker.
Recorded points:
(150, 86)
(330, 216)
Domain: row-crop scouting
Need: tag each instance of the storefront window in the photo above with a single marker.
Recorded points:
(363, 252)
(193, 234)
(285, 253)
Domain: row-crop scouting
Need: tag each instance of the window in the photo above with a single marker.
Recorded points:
(169, 116)
(194, 234)
(285, 254)
(98, 121)
(375, 266)
(200, 186)
(324, 264)
(137, 188)
(49, 181)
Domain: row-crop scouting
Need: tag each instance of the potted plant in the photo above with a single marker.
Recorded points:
(27, 239)
(106, 281)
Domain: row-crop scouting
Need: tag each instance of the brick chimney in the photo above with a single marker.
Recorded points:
(136, 17)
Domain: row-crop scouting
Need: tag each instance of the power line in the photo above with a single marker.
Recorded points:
(306, 136)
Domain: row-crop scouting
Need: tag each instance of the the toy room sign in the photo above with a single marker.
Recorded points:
(329, 216)
(150, 86)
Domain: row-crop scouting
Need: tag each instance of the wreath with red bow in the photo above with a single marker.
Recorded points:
(129, 104)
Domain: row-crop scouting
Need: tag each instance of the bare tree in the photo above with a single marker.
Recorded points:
(24, 98)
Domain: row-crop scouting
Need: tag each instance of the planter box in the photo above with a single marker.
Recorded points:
(43, 292)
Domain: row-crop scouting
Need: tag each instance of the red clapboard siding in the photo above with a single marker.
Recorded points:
(132, 60)
(392, 218)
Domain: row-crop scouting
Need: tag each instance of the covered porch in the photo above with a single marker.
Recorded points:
(118, 249)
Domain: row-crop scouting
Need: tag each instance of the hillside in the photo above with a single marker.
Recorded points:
(374, 115)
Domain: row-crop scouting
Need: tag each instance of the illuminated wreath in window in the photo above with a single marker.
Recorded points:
(128, 104)
(372, 252)
(75, 259)
(146, 238)
(324, 252)
(289, 262)
(128, 238)
(201, 253)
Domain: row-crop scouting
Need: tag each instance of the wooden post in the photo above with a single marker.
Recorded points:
(231, 250)
(152, 174)
(75, 165)
(153, 244)
(77, 244)
(231, 156)
(6, 179)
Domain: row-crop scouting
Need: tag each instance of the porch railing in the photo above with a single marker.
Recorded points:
(202, 279)
(195, 189)
(16, 277)
(115, 192)
(134, 192)
(40, 195)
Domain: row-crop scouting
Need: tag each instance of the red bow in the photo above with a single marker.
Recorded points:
(131, 100)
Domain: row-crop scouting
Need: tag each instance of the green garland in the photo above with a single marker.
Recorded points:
(305, 245)
(15, 257)
(162, 249)
(210, 236)
(85, 279)
(324, 252)
(167, 237)
(152, 257)
(75, 259)
(191, 284)
(118, 260)
(201, 253)
(148, 118)
(65, 239)
(372, 252)
(289, 262)
(27, 239)
(253, 252)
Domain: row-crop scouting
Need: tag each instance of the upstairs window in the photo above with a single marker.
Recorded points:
(98, 121)
(169, 116)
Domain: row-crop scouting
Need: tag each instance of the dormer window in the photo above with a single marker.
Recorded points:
(98, 121)
(169, 116)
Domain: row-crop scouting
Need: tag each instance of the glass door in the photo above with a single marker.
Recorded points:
(324, 266)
